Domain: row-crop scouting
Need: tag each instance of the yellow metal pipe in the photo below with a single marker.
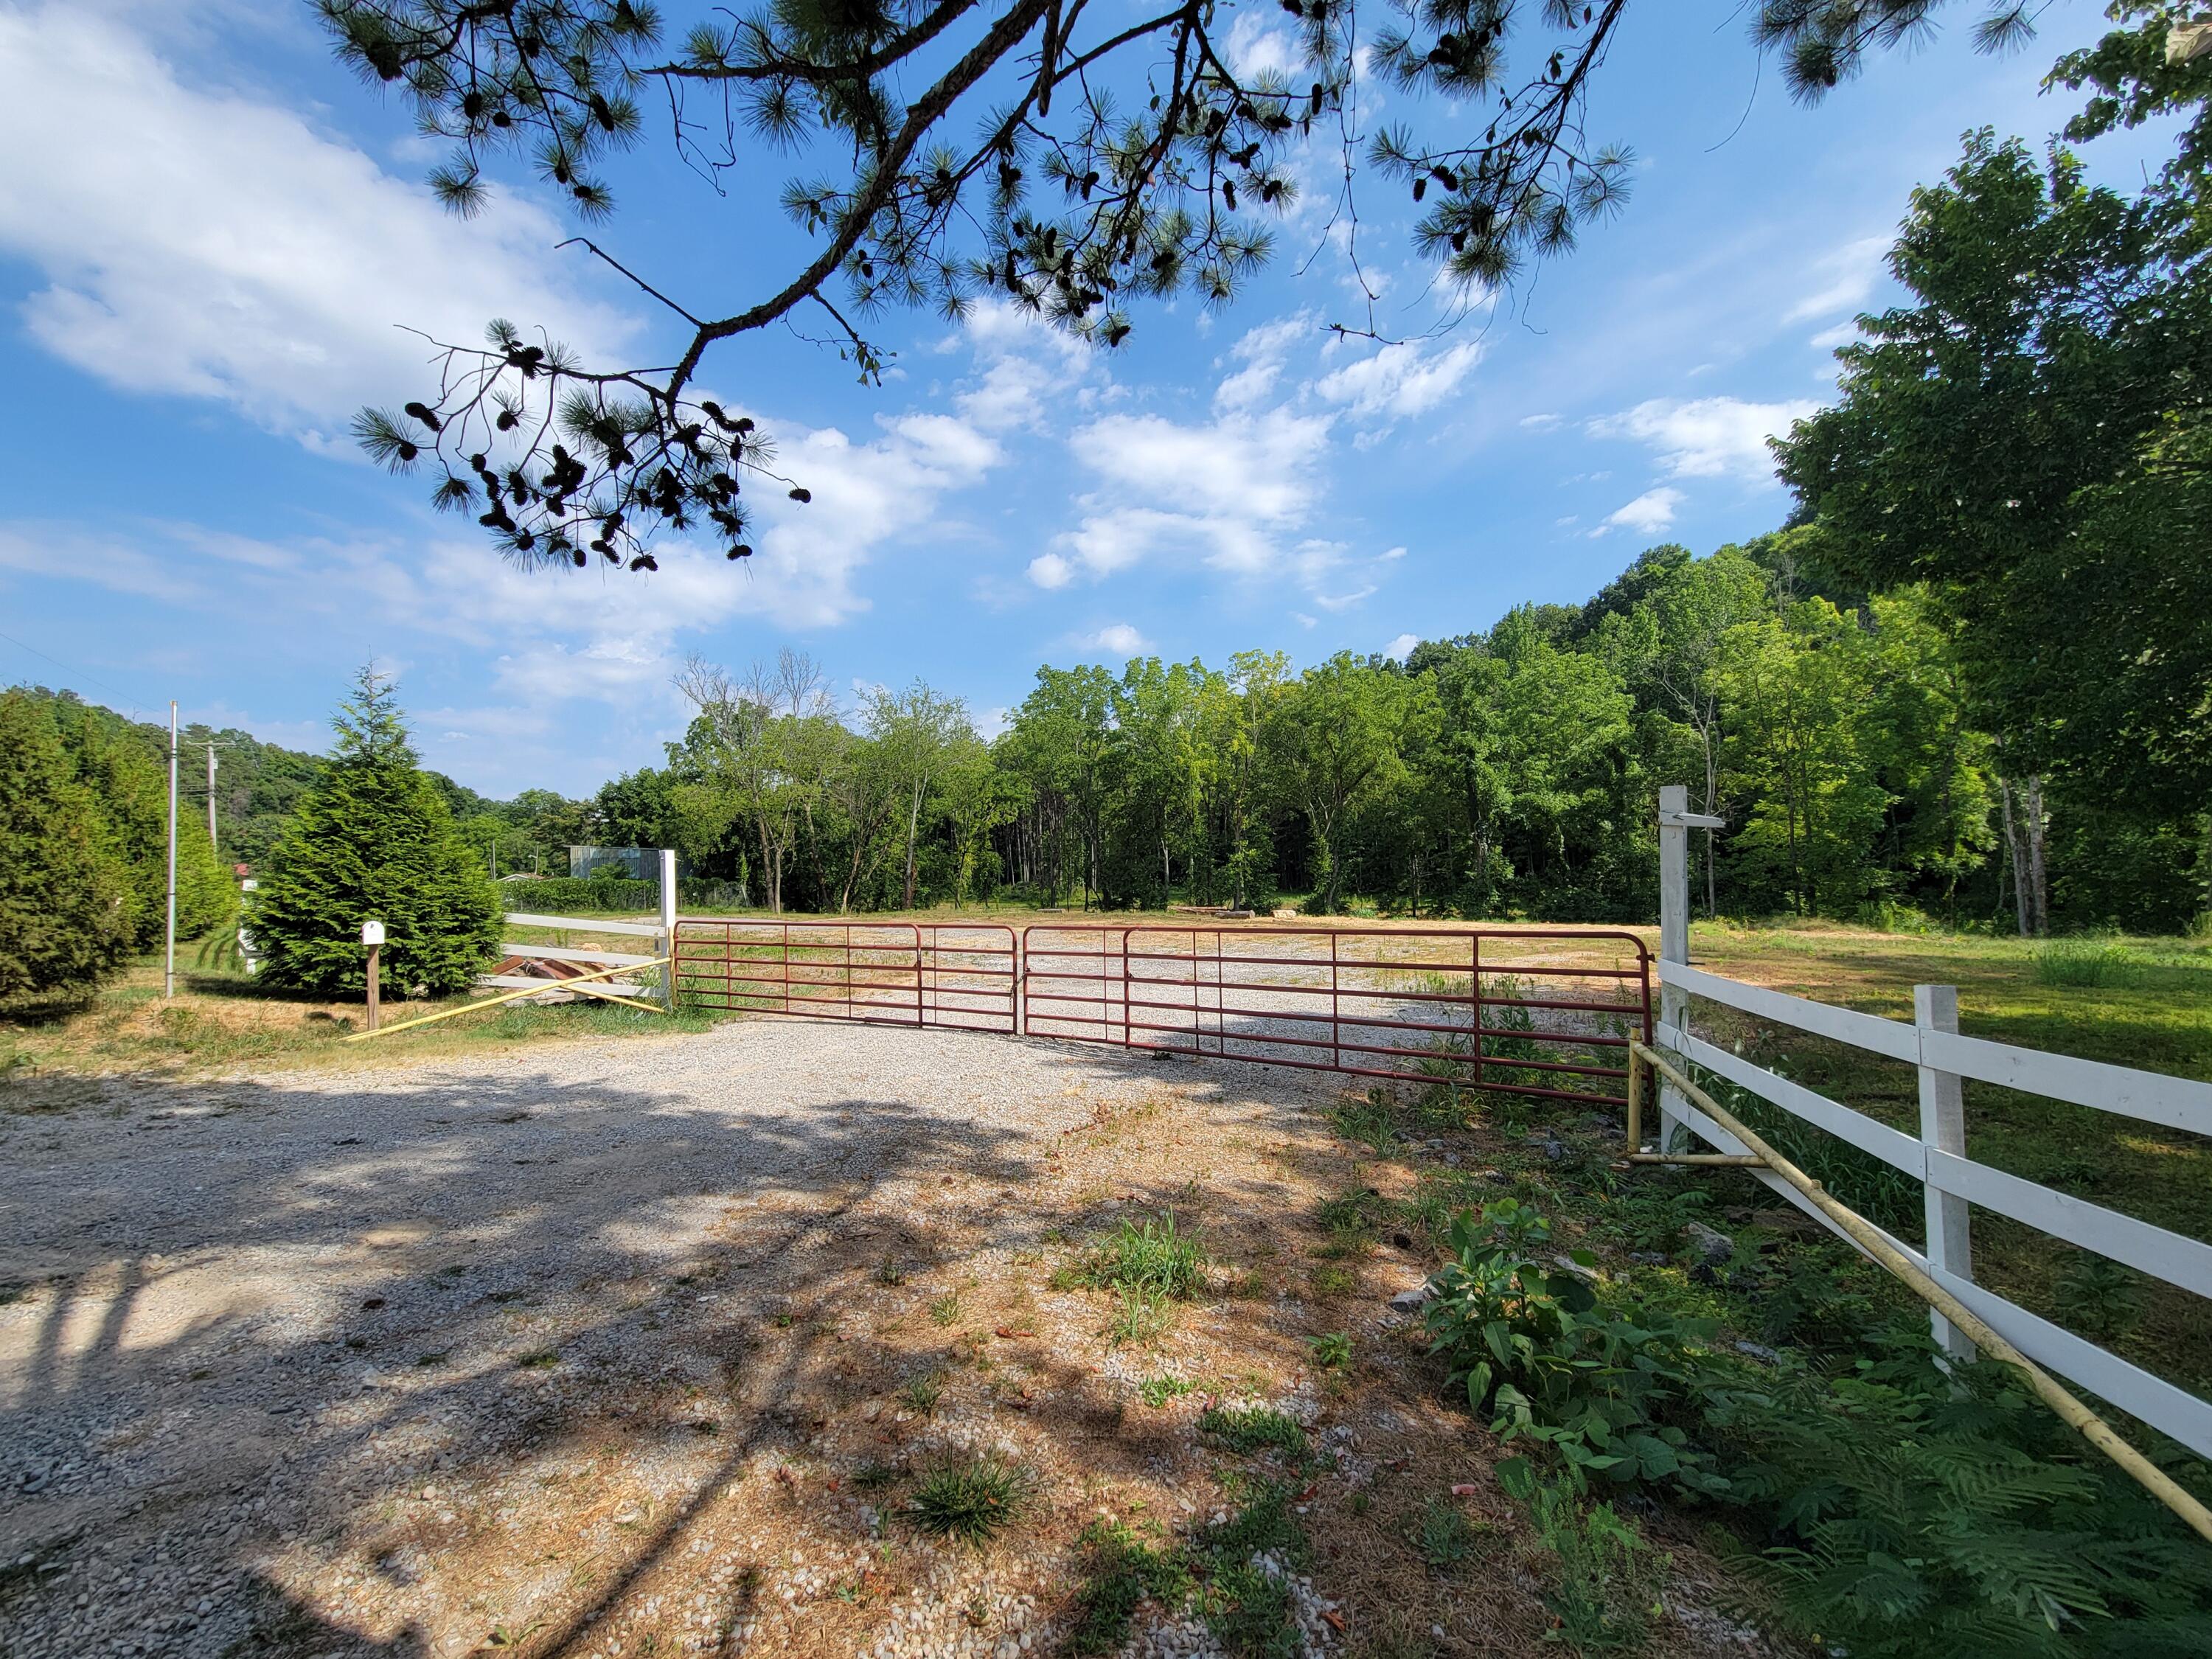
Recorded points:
(1863, 1233)
(512, 996)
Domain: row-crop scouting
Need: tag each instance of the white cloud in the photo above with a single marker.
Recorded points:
(1256, 46)
(1828, 339)
(1119, 638)
(1401, 647)
(1846, 276)
(1027, 368)
(1648, 514)
(1049, 570)
(1400, 381)
(109, 561)
(1258, 469)
(1263, 352)
(202, 243)
(1344, 601)
(1538, 422)
(1707, 437)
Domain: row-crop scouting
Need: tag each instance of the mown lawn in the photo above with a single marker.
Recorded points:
(2153, 1010)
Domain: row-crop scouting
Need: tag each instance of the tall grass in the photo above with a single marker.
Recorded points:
(2089, 964)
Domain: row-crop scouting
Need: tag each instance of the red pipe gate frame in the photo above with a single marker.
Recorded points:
(1476, 1008)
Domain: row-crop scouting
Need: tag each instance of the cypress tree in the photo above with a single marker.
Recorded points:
(64, 896)
(374, 839)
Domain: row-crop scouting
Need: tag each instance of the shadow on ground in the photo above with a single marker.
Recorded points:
(479, 1354)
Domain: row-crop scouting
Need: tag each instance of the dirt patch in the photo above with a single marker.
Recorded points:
(658, 1347)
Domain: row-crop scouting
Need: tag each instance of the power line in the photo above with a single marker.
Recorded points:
(135, 707)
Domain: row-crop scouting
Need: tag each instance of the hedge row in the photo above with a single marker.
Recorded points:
(558, 895)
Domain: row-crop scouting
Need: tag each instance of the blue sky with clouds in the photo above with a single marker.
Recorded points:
(209, 234)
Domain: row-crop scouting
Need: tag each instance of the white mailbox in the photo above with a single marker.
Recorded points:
(372, 932)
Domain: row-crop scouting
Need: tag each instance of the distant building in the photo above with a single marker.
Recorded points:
(637, 863)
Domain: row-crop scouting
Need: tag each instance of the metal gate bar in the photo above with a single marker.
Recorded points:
(1541, 1011)
(1414, 1005)
(960, 976)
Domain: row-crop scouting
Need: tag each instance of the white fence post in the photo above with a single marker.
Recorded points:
(1943, 1126)
(668, 926)
(1675, 822)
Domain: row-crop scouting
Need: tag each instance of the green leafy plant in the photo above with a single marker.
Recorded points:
(1332, 1353)
(1602, 1573)
(1120, 1568)
(972, 1501)
(1915, 1510)
(1535, 1350)
(922, 1392)
(2100, 1298)
(1137, 1318)
(945, 1309)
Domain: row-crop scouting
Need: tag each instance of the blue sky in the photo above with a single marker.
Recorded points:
(208, 234)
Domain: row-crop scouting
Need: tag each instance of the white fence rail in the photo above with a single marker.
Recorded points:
(662, 932)
(1952, 1181)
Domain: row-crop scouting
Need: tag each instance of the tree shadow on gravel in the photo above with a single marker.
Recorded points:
(253, 1332)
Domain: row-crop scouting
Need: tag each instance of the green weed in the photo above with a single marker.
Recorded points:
(1246, 1429)
(971, 1501)
(1153, 1261)
(1157, 1391)
(1372, 1121)
(1332, 1353)
(1603, 1577)
(1446, 1539)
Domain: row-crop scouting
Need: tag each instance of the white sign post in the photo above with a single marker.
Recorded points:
(372, 935)
(668, 927)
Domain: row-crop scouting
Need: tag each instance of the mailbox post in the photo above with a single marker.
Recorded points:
(372, 935)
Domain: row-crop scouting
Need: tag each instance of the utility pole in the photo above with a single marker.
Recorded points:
(169, 967)
(211, 846)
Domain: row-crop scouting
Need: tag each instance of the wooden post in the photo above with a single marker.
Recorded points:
(372, 935)
(1943, 1126)
(668, 927)
(1635, 1101)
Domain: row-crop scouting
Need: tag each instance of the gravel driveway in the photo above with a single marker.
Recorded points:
(642, 1349)
(262, 1331)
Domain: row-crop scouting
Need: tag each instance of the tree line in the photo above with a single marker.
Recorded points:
(1510, 772)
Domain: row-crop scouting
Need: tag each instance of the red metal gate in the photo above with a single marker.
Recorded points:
(954, 976)
(1544, 1011)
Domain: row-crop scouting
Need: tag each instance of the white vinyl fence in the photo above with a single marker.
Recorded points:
(1951, 1181)
(662, 933)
